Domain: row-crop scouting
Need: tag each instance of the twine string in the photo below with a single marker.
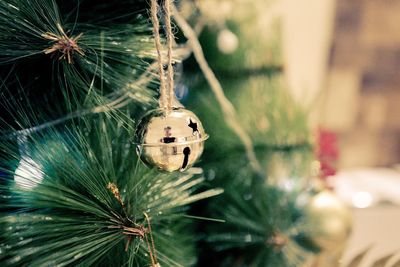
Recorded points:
(226, 106)
(170, 37)
(157, 41)
(166, 90)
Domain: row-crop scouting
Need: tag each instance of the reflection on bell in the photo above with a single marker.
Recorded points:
(171, 140)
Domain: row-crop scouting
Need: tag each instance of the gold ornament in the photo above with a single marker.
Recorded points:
(171, 140)
(331, 221)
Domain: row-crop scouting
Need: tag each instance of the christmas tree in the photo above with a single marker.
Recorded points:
(81, 184)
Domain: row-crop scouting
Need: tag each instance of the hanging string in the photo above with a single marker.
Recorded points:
(166, 90)
(170, 37)
(226, 106)
(157, 40)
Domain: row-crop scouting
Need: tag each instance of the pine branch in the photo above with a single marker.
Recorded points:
(60, 200)
(100, 65)
(262, 227)
(265, 110)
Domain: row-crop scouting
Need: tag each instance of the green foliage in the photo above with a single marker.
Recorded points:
(56, 207)
(246, 57)
(259, 210)
(264, 107)
(264, 215)
(59, 211)
(262, 226)
(258, 47)
(263, 223)
(114, 66)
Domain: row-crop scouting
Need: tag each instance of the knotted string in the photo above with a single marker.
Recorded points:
(166, 90)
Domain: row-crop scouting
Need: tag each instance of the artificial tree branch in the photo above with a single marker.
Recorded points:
(183, 51)
(117, 103)
(226, 106)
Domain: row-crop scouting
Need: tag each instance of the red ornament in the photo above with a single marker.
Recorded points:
(327, 152)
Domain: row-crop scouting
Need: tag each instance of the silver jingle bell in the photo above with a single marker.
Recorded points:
(171, 140)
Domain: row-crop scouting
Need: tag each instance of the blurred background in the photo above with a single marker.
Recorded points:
(347, 57)
(340, 62)
(362, 100)
(361, 106)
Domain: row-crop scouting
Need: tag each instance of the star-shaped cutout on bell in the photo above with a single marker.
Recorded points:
(193, 125)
